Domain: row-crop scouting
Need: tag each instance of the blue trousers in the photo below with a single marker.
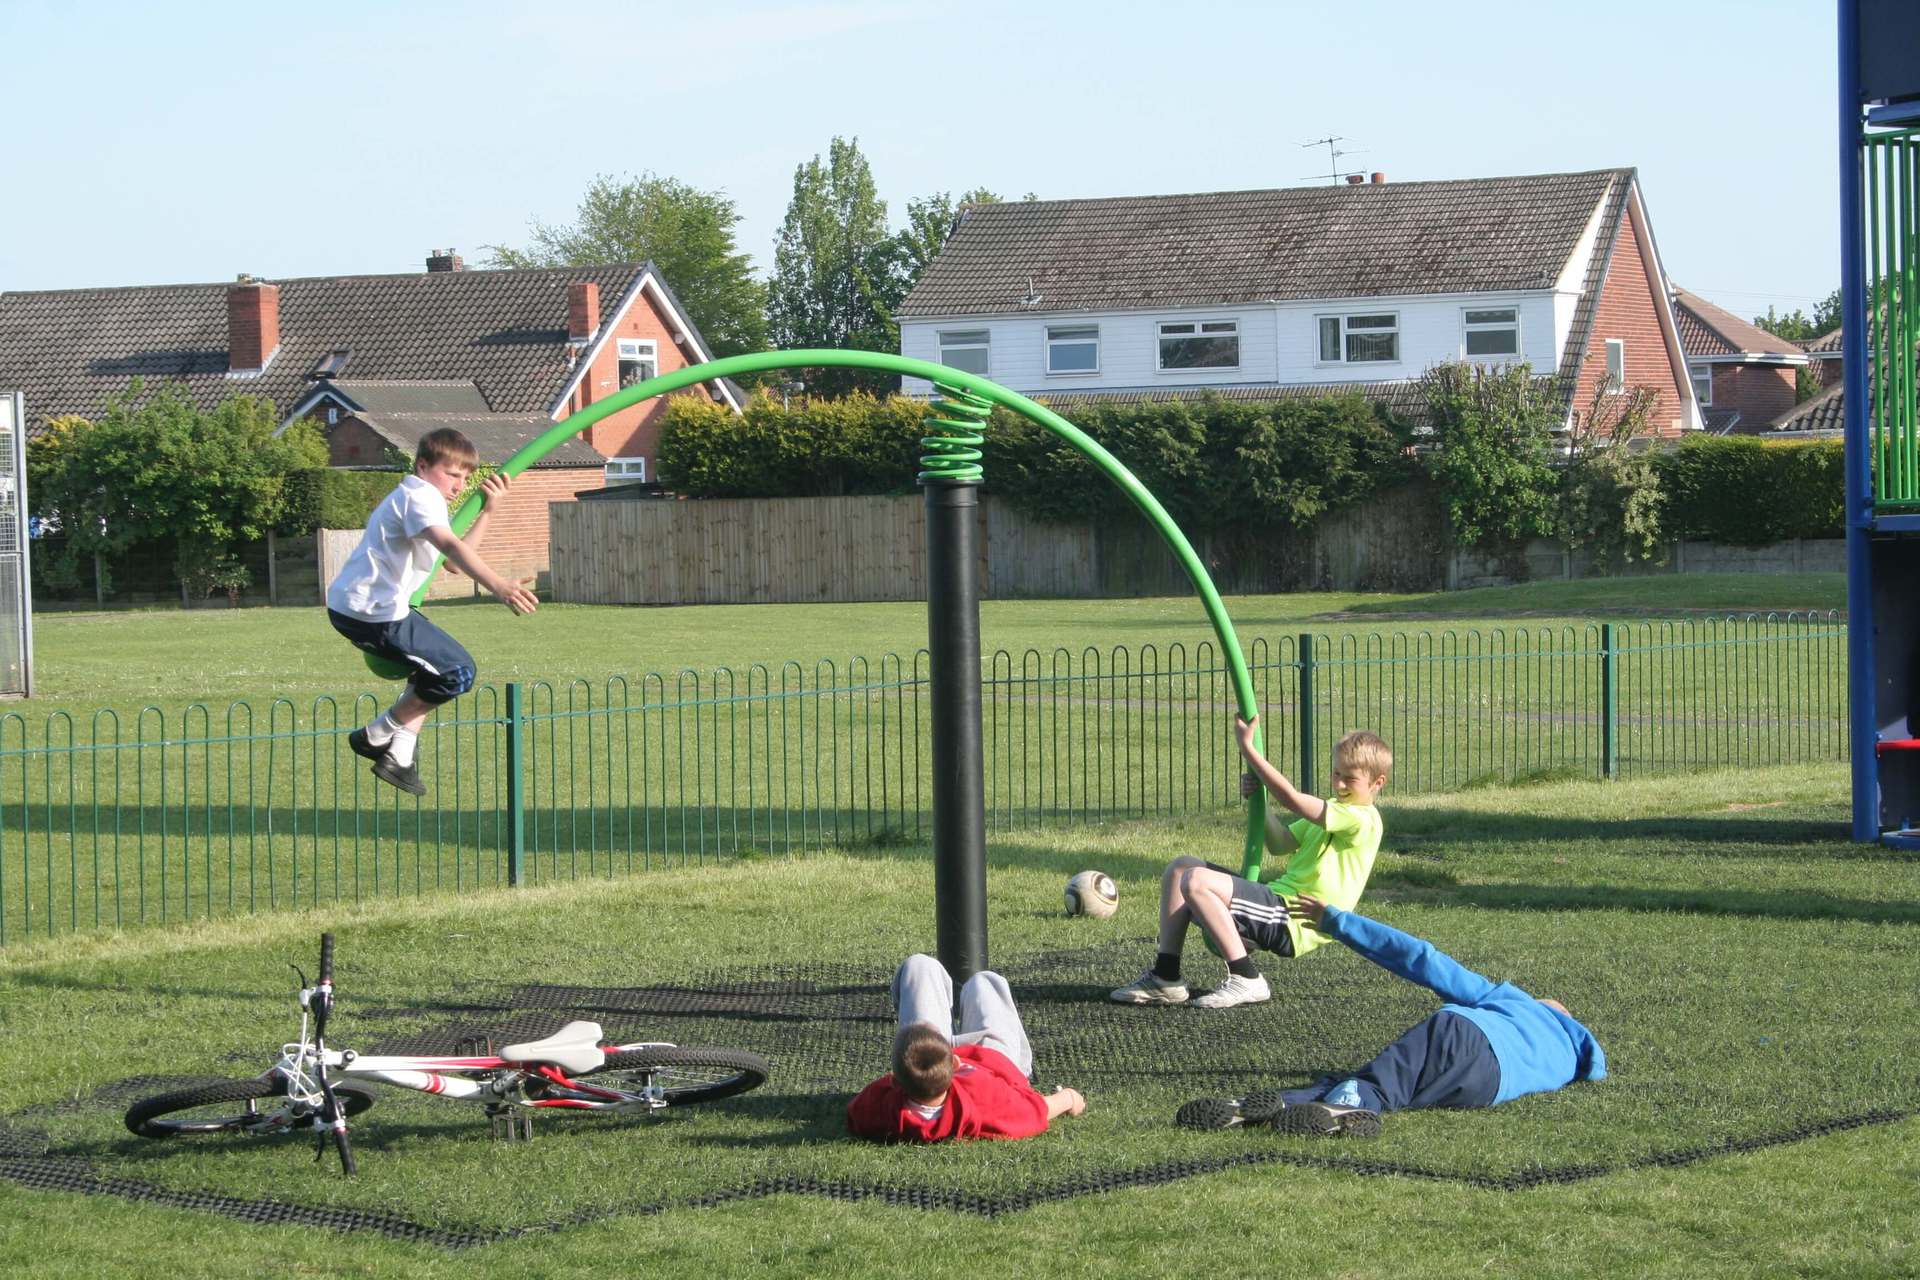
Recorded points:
(1443, 1062)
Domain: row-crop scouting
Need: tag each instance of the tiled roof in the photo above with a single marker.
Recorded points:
(1827, 344)
(1707, 330)
(1825, 413)
(505, 331)
(1474, 235)
(496, 436)
(411, 395)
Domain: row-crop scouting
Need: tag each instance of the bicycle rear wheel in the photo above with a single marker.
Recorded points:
(210, 1108)
(684, 1075)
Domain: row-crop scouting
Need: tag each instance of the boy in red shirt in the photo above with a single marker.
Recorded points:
(971, 1086)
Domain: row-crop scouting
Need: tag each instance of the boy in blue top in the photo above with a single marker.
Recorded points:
(1488, 1043)
(369, 600)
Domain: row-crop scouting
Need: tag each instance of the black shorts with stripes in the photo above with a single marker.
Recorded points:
(1258, 913)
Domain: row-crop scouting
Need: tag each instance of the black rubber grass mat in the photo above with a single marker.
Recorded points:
(825, 1028)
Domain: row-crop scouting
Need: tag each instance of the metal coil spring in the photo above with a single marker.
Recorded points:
(953, 454)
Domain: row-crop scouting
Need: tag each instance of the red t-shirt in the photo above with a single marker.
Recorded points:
(990, 1098)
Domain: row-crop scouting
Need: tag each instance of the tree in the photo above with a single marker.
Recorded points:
(835, 269)
(155, 468)
(1495, 429)
(1796, 325)
(930, 223)
(1610, 496)
(685, 232)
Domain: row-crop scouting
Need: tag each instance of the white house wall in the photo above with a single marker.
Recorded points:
(1279, 342)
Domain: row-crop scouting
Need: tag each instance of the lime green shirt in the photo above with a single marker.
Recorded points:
(1332, 863)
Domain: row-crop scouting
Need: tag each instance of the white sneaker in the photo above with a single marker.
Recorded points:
(1151, 988)
(1235, 990)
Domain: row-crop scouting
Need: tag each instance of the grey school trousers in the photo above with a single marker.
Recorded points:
(923, 992)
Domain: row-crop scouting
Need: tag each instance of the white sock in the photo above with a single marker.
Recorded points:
(401, 748)
(381, 728)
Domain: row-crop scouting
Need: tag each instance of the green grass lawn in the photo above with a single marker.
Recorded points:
(1750, 973)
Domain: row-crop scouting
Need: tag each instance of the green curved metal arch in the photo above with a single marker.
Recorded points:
(761, 361)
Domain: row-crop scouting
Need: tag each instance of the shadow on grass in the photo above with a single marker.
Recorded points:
(1742, 831)
(1714, 902)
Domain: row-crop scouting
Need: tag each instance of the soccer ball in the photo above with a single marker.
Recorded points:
(1092, 893)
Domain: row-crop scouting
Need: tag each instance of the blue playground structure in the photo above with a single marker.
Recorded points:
(1880, 316)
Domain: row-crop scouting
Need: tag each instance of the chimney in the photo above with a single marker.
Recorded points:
(583, 310)
(1354, 179)
(253, 325)
(1377, 179)
(445, 260)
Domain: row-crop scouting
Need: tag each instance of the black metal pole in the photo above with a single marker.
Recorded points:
(959, 797)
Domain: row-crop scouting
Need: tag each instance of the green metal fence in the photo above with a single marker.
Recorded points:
(199, 812)
(1892, 162)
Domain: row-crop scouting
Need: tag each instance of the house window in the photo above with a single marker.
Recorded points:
(638, 360)
(333, 414)
(1616, 364)
(965, 350)
(1362, 339)
(1492, 331)
(626, 470)
(1199, 344)
(1702, 375)
(1073, 348)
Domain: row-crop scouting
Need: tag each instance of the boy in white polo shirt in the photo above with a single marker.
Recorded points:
(368, 602)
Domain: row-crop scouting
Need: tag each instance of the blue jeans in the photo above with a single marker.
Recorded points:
(1443, 1062)
(442, 669)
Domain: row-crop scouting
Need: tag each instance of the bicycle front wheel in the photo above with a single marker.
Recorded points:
(683, 1075)
(211, 1108)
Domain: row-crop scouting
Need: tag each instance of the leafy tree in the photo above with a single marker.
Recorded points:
(1796, 325)
(930, 223)
(835, 270)
(1494, 464)
(685, 232)
(1610, 495)
(155, 468)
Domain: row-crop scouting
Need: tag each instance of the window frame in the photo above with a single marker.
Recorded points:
(1696, 372)
(1051, 341)
(1342, 317)
(1469, 328)
(941, 346)
(1198, 325)
(622, 357)
(609, 476)
(1609, 380)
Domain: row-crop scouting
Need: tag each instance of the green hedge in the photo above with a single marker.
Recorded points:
(1749, 492)
(324, 498)
(1217, 465)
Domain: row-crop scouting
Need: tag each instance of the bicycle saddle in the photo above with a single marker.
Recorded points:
(574, 1048)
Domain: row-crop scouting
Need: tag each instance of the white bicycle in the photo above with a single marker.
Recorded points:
(316, 1089)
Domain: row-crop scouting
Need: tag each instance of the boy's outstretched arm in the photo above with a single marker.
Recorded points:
(1312, 808)
(511, 594)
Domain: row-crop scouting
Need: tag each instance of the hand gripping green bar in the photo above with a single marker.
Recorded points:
(957, 379)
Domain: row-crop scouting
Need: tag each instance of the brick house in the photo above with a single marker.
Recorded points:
(1308, 290)
(1824, 355)
(377, 361)
(1742, 375)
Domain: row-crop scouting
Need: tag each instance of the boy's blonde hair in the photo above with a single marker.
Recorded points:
(446, 444)
(922, 1062)
(1367, 752)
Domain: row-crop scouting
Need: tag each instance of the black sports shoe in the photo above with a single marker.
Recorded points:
(1259, 1107)
(403, 776)
(1320, 1120)
(362, 747)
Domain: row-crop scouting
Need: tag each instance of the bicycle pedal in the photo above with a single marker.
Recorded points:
(512, 1126)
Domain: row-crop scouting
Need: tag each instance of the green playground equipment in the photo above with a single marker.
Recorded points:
(958, 416)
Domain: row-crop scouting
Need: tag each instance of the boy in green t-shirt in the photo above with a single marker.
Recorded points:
(1333, 844)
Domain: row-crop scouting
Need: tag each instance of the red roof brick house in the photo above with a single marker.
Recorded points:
(1742, 375)
(1825, 355)
(1309, 290)
(378, 361)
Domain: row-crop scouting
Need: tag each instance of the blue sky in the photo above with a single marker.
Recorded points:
(147, 146)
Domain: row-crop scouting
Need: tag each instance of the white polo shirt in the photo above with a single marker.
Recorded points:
(393, 558)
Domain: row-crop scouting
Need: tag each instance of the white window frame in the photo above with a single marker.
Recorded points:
(1468, 327)
(963, 342)
(1697, 374)
(1053, 341)
(626, 471)
(1342, 317)
(1196, 328)
(635, 350)
(1615, 378)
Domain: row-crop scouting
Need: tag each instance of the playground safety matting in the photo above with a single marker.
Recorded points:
(825, 1029)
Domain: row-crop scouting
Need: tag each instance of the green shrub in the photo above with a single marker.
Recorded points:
(1494, 464)
(323, 498)
(1750, 492)
(821, 448)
